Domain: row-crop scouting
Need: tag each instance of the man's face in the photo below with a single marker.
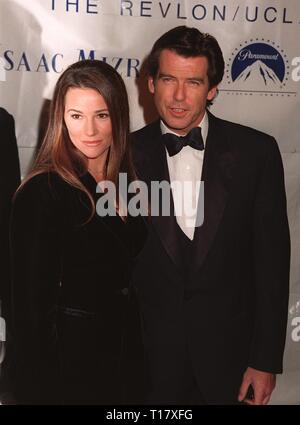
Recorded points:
(181, 90)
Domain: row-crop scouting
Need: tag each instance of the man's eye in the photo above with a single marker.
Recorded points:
(167, 79)
(194, 83)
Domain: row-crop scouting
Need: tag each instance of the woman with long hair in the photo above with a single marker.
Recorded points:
(75, 321)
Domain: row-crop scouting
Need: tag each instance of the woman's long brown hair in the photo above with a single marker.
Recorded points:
(58, 154)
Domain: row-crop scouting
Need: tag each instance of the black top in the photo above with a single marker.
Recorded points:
(72, 300)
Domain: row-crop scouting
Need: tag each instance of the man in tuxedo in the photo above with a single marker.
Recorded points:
(9, 181)
(214, 297)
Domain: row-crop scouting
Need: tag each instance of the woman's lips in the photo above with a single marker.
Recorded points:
(91, 142)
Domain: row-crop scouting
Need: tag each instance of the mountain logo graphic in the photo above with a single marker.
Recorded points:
(261, 71)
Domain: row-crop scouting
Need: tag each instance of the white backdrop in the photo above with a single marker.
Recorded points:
(260, 42)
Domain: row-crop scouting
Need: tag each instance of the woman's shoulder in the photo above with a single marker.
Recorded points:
(42, 188)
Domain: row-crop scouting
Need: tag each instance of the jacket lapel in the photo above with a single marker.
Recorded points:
(217, 176)
(156, 170)
(217, 172)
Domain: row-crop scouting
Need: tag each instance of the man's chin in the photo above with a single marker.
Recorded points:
(177, 127)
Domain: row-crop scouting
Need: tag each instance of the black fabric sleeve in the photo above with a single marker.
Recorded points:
(9, 181)
(271, 253)
(35, 259)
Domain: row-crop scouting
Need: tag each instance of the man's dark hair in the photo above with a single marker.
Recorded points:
(189, 42)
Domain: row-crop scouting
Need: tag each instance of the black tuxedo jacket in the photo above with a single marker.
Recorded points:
(229, 310)
(9, 181)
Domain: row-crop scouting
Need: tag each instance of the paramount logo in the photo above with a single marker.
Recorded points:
(258, 67)
(247, 54)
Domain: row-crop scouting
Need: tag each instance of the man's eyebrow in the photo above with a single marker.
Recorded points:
(162, 74)
(200, 79)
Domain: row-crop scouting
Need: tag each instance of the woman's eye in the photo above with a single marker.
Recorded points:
(103, 115)
(76, 116)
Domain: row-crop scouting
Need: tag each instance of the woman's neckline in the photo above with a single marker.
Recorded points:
(91, 177)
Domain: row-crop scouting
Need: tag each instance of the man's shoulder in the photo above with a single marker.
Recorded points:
(148, 132)
(144, 140)
(5, 117)
(242, 136)
(238, 128)
(3, 112)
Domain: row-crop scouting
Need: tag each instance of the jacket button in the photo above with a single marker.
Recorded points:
(124, 291)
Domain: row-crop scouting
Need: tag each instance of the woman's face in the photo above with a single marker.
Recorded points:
(88, 123)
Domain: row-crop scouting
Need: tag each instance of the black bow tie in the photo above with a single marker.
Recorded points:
(175, 143)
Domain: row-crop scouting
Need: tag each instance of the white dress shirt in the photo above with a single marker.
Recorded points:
(185, 170)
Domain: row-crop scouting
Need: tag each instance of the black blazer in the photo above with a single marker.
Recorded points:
(73, 308)
(9, 181)
(230, 310)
